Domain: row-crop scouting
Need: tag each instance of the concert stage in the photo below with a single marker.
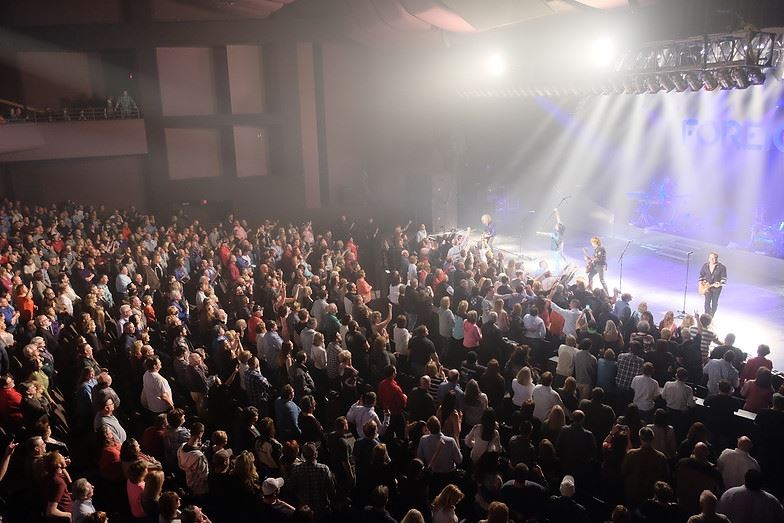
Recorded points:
(654, 270)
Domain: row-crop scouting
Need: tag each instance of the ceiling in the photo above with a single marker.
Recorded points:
(374, 22)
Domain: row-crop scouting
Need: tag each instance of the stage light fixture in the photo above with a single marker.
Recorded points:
(651, 84)
(694, 81)
(740, 77)
(756, 76)
(725, 80)
(666, 82)
(603, 52)
(496, 65)
(679, 82)
(709, 81)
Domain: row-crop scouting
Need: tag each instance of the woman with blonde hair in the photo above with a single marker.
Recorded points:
(245, 473)
(612, 338)
(668, 321)
(445, 504)
(153, 486)
(503, 317)
(553, 424)
(522, 387)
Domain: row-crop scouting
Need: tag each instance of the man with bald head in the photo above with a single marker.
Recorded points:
(693, 475)
(734, 463)
(452, 383)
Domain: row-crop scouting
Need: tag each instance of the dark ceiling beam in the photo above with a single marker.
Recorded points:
(163, 34)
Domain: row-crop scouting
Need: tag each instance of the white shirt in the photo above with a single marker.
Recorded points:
(733, 465)
(319, 310)
(570, 317)
(678, 395)
(318, 355)
(154, 387)
(401, 338)
(521, 393)
(65, 304)
(478, 446)
(565, 365)
(359, 415)
(545, 398)
(645, 391)
(394, 294)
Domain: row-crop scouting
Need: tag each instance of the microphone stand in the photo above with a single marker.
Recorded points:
(522, 223)
(620, 263)
(558, 206)
(682, 312)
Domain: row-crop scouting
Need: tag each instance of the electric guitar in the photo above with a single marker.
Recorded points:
(590, 261)
(703, 287)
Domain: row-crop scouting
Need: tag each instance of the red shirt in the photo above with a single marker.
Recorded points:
(56, 491)
(26, 308)
(110, 464)
(11, 406)
(252, 323)
(391, 397)
(556, 323)
(752, 366)
(152, 442)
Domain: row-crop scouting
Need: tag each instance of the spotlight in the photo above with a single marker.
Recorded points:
(652, 85)
(666, 82)
(602, 52)
(725, 79)
(630, 86)
(756, 76)
(496, 65)
(709, 81)
(740, 78)
(694, 82)
(679, 82)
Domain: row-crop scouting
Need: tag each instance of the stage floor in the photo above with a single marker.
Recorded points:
(751, 306)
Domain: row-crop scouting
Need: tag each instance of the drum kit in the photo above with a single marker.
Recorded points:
(654, 210)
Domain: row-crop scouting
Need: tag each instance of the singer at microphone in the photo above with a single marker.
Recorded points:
(556, 242)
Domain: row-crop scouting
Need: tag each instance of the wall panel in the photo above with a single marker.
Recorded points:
(187, 80)
(193, 153)
(246, 78)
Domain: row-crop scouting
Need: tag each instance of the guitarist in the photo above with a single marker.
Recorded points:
(713, 277)
(597, 263)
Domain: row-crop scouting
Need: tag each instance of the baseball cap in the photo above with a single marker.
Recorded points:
(271, 485)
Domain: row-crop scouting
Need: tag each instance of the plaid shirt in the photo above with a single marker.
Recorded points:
(257, 388)
(629, 366)
(314, 484)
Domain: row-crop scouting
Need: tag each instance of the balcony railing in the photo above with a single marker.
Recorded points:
(75, 115)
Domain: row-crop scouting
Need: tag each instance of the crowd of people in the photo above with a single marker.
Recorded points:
(80, 109)
(160, 371)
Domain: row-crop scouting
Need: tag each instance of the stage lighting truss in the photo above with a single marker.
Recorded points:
(711, 62)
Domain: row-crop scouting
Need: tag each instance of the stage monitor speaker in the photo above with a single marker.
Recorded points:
(444, 201)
